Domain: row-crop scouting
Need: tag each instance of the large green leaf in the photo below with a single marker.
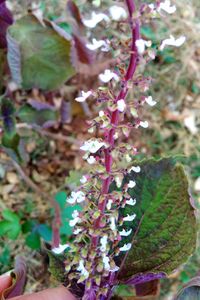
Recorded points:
(40, 52)
(164, 230)
(10, 226)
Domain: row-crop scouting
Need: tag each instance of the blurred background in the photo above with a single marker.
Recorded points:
(54, 162)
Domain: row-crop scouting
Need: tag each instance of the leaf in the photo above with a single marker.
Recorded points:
(6, 20)
(45, 232)
(18, 280)
(10, 226)
(43, 54)
(57, 266)
(75, 13)
(33, 240)
(13, 146)
(42, 117)
(164, 230)
(191, 291)
(7, 113)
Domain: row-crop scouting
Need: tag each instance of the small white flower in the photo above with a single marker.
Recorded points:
(116, 136)
(125, 233)
(190, 123)
(115, 269)
(149, 100)
(166, 6)
(92, 145)
(106, 262)
(95, 19)
(75, 217)
(118, 181)
(101, 114)
(141, 44)
(84, 96)
(60, 249)
(109, 204)
(121, 105)
(131, 184)
(103, 242)
(135, 169)
(144, 124)
(78, 196)
(81, 268)
(129, 218)
(104, 45)
(108, 75)
(77, 231)
(83, 179)
(91, 160)
(131, 202)
(117, 12)
(126, 247)
(112, 223)
(171, 41)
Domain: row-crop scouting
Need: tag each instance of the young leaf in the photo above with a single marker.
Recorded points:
(41, 116)
(33, 240)
(164, 230)
(10, 226)
(6, 20)
(191, 291)
(43, 53)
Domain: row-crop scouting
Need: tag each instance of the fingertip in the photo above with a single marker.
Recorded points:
(5, 282)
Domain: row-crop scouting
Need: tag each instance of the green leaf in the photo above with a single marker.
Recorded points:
(57, 266)
(43, 56)
(164, 230)
(11, 226)
(33, 240)
(31, 115)
(45, 232)
(12, 146)
(191, 291)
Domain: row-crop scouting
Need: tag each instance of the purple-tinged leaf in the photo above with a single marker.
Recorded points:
(18, 280)
(14, 59)
(6, 20)
(65, 112)
(142, 278)
(148, 289)
(75, 13)
(40, 105)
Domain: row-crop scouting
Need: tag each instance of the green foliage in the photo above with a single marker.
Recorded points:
(10, 226)
(57, 267)
(31, 115)
(164, 230)
(43, 54)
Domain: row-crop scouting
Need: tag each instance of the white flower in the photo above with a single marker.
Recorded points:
(106, 261)
(149, 100)
(171, 41)
(101, 113)
(82, 269)
(91, 160)
(78, 196)
(121, 105)
(95, 19)
(117, 12)
(126, 247)
(129, 218)
(190, 123)
(131, 184)
(104, 45)
(112, 223)
(141, 44)
(144, 124)
(135, 169)
(118, 181)
(109, 204)
(108, 75)
(60, 249)
(115, 269)
(83, 179)
(84, 96)
(131, 202)
(77, 231)
(92, 145)
(197, 185)
(103, 242)
(125, 233)
(166, 6)
(75, 217)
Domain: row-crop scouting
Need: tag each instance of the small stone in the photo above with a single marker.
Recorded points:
(12, 178)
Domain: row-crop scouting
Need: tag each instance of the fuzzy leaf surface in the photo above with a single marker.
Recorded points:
(164, 230)
(44, 56)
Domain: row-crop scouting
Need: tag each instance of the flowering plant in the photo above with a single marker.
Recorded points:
(132, 220)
